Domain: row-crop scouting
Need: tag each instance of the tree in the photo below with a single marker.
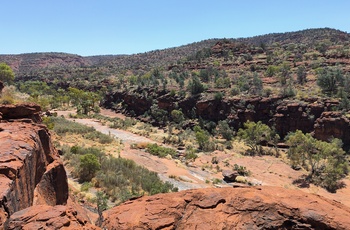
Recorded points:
(177, 116)
(325, 162)
(88, 167)
(6, 73)
(159, 115)
(271, 70)
(203, 139)
(101, 200)
(224, 130)
(254, 134)
(285, 73)
(195, 86)
(84, 101)
(257, 85)
(301, 74)
(329, 79)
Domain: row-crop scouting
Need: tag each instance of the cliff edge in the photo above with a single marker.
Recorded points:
(32, 176)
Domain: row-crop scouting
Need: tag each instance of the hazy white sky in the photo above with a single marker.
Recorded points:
(92, 27)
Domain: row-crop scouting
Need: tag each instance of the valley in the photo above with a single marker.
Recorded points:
(265, 170)
(248, 133)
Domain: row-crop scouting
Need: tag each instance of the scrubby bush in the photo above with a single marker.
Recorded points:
(242, 170)
(121, 179)
(177, 116)
(224, 130)
(203, 139)
(195, 86)
(160, 151)
(100, 137)
(62, 126)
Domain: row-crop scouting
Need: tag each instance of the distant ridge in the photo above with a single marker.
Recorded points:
(32, 63)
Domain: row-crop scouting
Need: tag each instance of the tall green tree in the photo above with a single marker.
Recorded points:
(195, 86)
(84, 101)
(254, 134)
(329, 79)
(6, 73)
(301, 74)
(325, 162)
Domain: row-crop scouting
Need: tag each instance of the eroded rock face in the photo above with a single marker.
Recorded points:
(333, 124)
(31, 171)
(230, 208)
(21, 111)
(284, 115)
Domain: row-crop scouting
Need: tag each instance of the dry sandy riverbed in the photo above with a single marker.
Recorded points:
(267, 169)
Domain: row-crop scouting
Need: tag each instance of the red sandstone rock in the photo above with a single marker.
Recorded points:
(30, 169)
(53, 187)
(230, 208)
(332, 124)
(20, 111)
(47, 217)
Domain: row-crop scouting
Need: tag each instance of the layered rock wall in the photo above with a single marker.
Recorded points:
(284, 115)
(31, 171)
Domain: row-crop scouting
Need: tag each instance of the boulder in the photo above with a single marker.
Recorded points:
(241, 179)
(229, 175)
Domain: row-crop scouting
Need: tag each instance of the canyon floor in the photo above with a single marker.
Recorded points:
(265, 170)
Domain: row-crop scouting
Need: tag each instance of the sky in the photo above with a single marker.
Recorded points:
(101, 27)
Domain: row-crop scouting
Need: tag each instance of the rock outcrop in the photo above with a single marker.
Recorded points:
(230, 208)
(48, 217)
(20, 111)
(31, 171)
(332, 124)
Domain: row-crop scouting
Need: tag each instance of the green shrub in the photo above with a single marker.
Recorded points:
(160, 151)
(218, 96)
(123, 179)
(216, 181)
(203, 139)
(195, 86)
(62, 126)
(100, 137)
(191, 156)
(224, 130)
(85, 186)
(48, 122)
(88, 167)
(242, 170)
(329, 79)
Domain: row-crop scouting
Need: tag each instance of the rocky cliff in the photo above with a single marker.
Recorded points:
(230, 208)
(312, 115)
(31, 172)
